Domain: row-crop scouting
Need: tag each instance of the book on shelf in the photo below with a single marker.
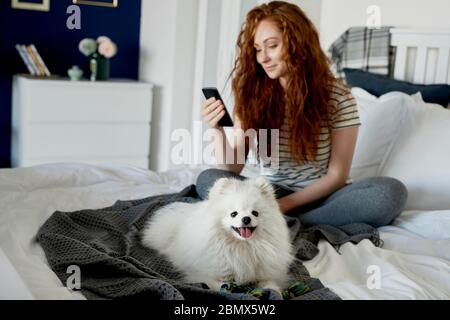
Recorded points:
(40, 60)
(26, 59)
(33, 60)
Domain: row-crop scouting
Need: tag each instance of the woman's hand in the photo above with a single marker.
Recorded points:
(285, 204)
(213, 111)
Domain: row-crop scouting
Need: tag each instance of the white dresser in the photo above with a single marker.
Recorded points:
(80, 121)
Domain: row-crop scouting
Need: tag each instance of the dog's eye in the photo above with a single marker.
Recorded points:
(233, 214)
(255, 213)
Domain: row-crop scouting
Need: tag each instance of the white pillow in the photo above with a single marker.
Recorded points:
(420, 157)
(381, 120)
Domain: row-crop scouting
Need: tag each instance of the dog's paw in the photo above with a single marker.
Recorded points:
(214, 285)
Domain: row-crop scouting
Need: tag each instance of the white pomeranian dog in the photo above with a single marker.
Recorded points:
(237, 235)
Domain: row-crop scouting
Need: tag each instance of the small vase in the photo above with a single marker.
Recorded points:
(99, 67)
(75, 73)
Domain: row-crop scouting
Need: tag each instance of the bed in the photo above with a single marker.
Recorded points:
(401, 136)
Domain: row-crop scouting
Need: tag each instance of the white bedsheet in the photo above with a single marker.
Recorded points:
(414, 262)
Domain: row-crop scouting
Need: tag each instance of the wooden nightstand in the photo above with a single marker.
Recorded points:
(80, 121)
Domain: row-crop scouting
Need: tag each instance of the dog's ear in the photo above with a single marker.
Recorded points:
(219, 187)
(265, 186)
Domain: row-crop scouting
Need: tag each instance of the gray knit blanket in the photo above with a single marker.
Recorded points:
(105, 245)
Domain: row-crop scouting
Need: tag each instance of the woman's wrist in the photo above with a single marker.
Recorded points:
(286, 204)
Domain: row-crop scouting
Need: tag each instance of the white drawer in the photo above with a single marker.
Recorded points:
(91, 104)
(90, 140)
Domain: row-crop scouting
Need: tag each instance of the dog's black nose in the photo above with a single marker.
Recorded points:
(246, 220)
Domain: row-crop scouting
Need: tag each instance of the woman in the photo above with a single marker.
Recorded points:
(282, 79)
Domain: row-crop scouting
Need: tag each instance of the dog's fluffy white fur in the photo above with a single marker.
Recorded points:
(237, 235)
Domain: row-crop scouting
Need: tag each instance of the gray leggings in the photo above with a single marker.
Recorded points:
(376, 201)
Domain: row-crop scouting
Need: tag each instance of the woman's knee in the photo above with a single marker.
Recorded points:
(214, 174)
(376, 201)
(389, 195)
(391, 190)
(208, 177)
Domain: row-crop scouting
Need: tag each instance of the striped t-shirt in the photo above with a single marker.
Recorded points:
(296, 176)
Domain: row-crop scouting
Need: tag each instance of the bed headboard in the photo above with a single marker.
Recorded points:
(422, 55)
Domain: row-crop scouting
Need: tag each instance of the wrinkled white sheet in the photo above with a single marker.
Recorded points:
(414, 262)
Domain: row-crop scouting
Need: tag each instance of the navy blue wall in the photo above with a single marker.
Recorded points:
(59, 46)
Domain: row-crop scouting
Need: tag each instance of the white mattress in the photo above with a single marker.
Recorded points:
(413, 264)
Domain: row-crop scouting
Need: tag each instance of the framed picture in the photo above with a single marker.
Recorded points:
(98, 3)
(39, 5)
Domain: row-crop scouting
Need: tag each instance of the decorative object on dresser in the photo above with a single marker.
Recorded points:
(42, 5)
(68, 121)
(98, 52)
(75, 73)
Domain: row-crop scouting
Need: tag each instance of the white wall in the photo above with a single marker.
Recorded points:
(313, 8)
(167, 58)
(337, 15)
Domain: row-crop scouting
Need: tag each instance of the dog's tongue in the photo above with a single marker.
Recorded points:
(245, 232)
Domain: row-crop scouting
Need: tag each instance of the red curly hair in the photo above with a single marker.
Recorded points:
(261, 103)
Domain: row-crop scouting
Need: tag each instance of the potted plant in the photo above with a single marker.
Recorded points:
(99, 52)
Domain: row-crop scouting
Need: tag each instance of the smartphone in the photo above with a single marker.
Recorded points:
(210, 92)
